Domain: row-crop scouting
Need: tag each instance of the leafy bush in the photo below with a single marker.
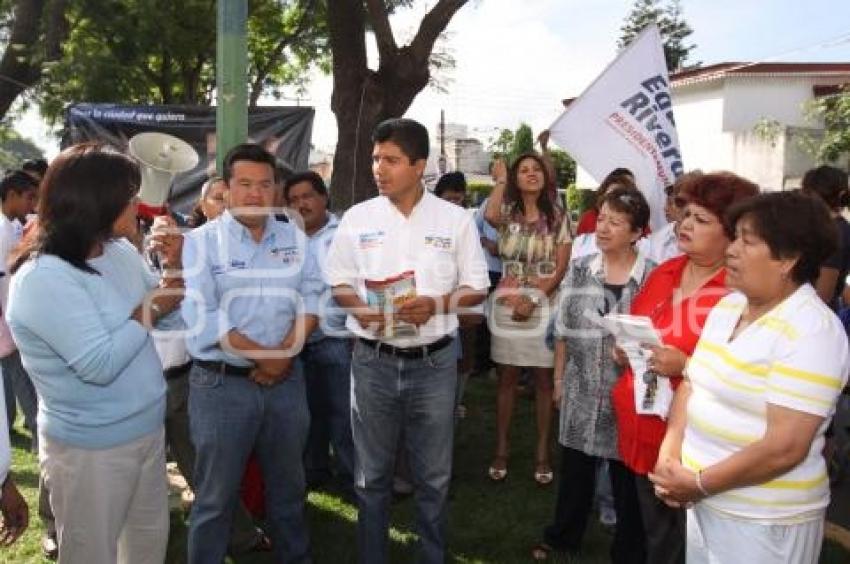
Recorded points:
(579, 201)
(477, 191)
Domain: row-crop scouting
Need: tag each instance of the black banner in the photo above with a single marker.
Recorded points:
(284, 131)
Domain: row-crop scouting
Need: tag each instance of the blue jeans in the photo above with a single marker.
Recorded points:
(327, 370)
(604, 491)
(24, 389)
(229, 417)
(390, 394)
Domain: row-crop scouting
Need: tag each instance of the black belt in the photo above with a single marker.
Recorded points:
(177, 371)
(224, 368)
(408, 352)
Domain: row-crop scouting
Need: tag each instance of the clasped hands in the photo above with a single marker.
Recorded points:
(518, 299)
(416, 311)
(674, 484)
(269, 371)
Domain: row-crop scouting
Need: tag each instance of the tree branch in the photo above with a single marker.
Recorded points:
(432, 25)
(264, 70)
(18, 68)
(56, 29)
(379, 17)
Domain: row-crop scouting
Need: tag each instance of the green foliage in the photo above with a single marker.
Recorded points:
(834, 111)
(15, 149)
(477, 191)
(768, 130)
(500, 146)
(573, 198)
(508, 144)
(565, 167)
(579, 201)
(158, 51)
(523, 141)
(671, 24)
(285, 39)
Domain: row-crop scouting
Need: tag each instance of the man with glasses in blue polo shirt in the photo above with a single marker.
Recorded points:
(252, 299)
(402, 264)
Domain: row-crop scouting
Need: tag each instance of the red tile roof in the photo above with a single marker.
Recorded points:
(721, 70)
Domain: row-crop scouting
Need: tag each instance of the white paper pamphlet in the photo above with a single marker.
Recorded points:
(653, 393)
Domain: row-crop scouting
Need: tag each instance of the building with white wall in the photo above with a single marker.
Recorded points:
(463, 153)
(718, 108)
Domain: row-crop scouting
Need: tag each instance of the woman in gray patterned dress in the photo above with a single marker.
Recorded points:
(585, 372)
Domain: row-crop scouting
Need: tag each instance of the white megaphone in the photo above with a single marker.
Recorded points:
(162, 157)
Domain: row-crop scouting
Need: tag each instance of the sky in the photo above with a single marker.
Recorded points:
(517, 59)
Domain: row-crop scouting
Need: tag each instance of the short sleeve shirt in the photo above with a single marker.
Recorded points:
(437, 241)
(796, 357)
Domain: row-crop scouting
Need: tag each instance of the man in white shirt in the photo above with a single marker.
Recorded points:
(402, 264)
(18, 194)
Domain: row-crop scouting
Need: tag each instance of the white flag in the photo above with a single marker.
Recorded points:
(625, 119)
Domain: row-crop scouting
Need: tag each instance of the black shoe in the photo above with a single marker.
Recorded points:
(49, 547)
(263, 544)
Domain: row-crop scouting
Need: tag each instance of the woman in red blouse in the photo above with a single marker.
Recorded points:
(677, 297)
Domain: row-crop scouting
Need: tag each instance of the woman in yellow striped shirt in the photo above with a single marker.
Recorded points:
(744, 443)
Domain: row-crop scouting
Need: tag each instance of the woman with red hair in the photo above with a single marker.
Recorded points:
(676, 297)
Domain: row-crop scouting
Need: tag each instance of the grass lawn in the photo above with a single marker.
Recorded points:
(494, 523)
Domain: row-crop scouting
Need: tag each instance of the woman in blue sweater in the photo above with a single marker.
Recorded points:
(80, 307)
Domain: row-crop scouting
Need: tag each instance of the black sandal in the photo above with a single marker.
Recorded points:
(263, 544)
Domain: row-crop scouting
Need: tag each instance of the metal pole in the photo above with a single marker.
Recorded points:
(231, 77)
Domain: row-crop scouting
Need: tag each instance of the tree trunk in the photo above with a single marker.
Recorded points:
(347, 28)
(359, 109)
(37, 32)
(362, 98)
(18, 69)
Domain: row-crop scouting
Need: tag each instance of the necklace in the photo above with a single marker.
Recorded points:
(694, 280)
